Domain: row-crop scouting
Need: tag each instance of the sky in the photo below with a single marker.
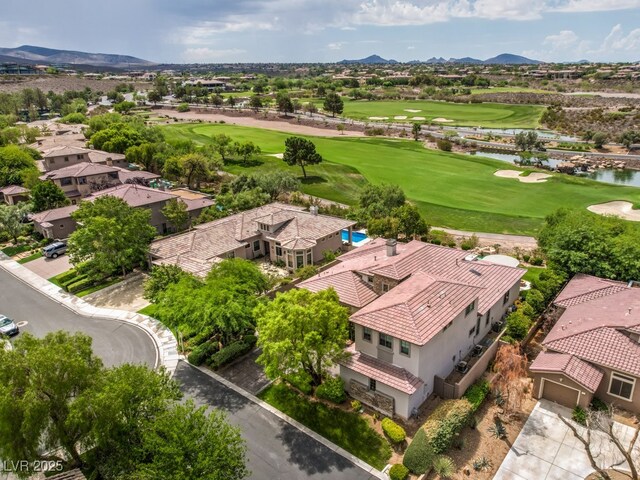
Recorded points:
(216, 31)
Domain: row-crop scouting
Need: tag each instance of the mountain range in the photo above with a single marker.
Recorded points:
(29, 54)
(502, 59)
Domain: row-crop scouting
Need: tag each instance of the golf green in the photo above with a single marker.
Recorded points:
(451, 190)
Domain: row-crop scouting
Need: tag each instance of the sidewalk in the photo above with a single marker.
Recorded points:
(166, 345)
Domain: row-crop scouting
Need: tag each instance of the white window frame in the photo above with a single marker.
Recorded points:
(408, 354)
(386, 337)
(623, 378)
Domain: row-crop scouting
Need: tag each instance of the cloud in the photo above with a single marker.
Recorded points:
(564, 39)
(209, 55)
(336, 45)
(617, 40)
(411, 47)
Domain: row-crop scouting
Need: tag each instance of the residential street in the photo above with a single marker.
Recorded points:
(114, 341)
(277, 450)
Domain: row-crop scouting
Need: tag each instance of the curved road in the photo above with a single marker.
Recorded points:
(114, 342)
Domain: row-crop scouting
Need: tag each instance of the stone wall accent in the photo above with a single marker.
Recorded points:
(378, 401)
(378, 280)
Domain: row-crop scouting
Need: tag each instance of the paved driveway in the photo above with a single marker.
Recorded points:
(547, 450)
(49, 267)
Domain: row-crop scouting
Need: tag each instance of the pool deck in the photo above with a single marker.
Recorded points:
(359, 243)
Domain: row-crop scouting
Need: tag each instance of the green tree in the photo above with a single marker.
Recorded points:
(14, 163)
(599, 139)
(247, 150)
(223, 145)
(301, 331)
(276, 183)
(154, 96)
(12, 219)
(145, 155)
(284, 103)
(378, 200)
(410, 222)
(175, 211)
(527, 141)
(41, 383)
(255, 102)
(302, 152)
(124, 107)
(333, 103)
(195, 167)
(111, 236)
(629, 137)
(160, 278)
(47, 195)
(415, 130)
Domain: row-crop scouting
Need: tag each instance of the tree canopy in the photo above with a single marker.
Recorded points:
(47, 195)
(333, 103)
(302, 152)
(12, 219)
(302, 332)
(175, 211)
(15, 161)
(111, 236)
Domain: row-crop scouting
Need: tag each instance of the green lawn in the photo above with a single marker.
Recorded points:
(533, 273)
(494, 115)
(14, 250)
(148, 310)
(451, 190)
(30, 258)
(346, 429)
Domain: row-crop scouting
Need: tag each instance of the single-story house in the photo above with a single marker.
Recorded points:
(593, 350)
(283, 233)
(418, 310)
(13, 194)
(57, 223)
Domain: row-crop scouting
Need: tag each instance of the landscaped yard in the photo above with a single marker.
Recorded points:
(348, 430)
(451, 190)
(33, 256)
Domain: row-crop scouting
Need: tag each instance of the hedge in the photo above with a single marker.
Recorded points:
(80, 285)
(393, 431)
(332, 389)
(419, 455)
(199, 354)
(446, 421)
(66, 276)
(398, 472)
(476, 393)
(232, 351)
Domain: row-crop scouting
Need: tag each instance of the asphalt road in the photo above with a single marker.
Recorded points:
(114, 342)
(276, 450)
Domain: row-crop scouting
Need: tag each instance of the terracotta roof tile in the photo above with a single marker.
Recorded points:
(84, 169)
(349, 286)
(383, 372)
(134, 195)
(13, 190)
(577, 370)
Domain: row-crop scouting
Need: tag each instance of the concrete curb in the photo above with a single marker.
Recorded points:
(319, 438)
(166, 345)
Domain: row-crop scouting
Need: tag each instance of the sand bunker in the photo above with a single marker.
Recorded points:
(400, 117)
(442, 120)
(620, 209)
(410, 110)
(535, 177)
(417, 118)
(277, 155)
(378, 118)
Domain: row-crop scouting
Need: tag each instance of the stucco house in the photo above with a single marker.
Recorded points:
(278, 231)
(57, 223)
(418, 309)
(65, 155)
(593, 350)
(13, 194)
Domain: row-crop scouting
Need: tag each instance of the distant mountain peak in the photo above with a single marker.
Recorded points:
(370, 60)
(32, 53)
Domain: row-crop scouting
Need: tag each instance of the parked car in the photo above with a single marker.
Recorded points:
(8, 327)
(54, 250)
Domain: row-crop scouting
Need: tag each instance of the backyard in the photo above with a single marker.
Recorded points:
(451, 190)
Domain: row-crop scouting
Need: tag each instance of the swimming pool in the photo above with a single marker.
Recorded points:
(356, 237)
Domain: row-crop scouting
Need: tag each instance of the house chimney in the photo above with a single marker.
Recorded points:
(313, 209)
(109, 162)
(391, 247)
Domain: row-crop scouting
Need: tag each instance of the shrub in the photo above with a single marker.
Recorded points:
(199, 354)
(481, 464)
(518, 325)
(444, 466)
(444, 144)
(537, 261)
(329, 255)
(476, 393)
(356, 405)
(419, 455)
(526, 257)
(74, 118)
(393, 431)
(228, 354)
(598, 405)
(65, 277)
(306, 272)
(183, 107)
(498, 429)
(445, 422)
(398, 472)
(80, 285)
(332, 389)
(301, 381)
(579, 415)
(536, 300)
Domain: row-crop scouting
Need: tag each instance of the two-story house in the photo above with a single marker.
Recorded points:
(593, 350)
(65, 156)
(418, 310)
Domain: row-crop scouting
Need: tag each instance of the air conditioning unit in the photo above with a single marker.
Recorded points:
(497, 326)
(477, 351)
(462, 367)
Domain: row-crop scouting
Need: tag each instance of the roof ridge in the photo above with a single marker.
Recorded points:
(619, 288)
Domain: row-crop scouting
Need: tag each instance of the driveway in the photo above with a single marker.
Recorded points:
(49, 267)
(547, 450)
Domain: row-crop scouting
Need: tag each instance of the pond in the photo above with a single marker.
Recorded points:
(630, 178)
(545, 134)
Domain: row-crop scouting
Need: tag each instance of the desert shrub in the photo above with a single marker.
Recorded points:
(373, 131)
(393, 431)
(200, 353)
(74, 118)
(229, 353)
(419, 455)
(306, 272)
(301, 381)
(183, 107)
(476, 393)
(398, 472)
(332, 389)
(356, 405)
(444, 466)
(481, 464)
(444, 144)
(469, 243)
(445, 422)
(579, 415)
(498, 430)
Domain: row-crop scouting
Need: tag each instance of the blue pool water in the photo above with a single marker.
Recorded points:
(355, 236)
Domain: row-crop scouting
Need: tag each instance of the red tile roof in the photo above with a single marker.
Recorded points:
(418, 308)
(13, 190)
(134, 195)
(584, 288)
(349, 286)
(84, 169)
(383, 372)
(577, 370)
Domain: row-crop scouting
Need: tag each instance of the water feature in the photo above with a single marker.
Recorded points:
(356, 237)
(544, 134)
(630, 178)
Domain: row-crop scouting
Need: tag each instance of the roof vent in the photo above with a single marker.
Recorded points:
(471, 257)
(475, 272)
(442, 294)
(391, 247)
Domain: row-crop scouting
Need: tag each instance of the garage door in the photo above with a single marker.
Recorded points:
(559, 393)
